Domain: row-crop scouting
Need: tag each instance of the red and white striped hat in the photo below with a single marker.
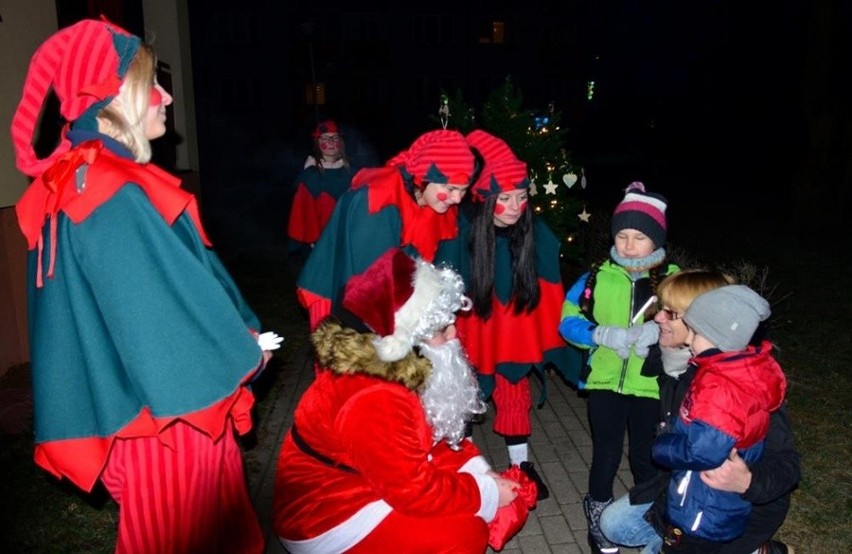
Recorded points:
(84, 64)
(502, 170)
(437, 157)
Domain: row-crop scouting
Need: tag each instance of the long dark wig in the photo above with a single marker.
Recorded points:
(525, 289)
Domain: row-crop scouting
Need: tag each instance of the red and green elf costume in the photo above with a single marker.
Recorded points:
(141, 344)
(318, 187)
(507, 346)
(380, 212)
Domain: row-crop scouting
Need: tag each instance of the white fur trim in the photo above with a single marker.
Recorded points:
(488, 492)
(427, 285)
(345, 535)
(392, 347)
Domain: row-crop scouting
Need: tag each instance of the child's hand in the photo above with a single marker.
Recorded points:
(613, 337)
(643, 336)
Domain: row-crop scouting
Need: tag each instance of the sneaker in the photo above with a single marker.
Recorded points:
(776, 547)
(529, 469)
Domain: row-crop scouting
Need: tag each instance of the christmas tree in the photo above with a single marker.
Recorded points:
(536, 138)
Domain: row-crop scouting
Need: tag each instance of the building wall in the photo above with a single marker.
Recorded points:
(25, 24)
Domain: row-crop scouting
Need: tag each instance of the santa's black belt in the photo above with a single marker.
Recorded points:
(306, 448)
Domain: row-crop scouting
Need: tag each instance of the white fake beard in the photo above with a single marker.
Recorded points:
(450, 395)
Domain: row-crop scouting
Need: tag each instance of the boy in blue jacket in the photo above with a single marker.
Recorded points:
(726, 410)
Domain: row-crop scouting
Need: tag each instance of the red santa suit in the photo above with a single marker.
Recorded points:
(362, 461)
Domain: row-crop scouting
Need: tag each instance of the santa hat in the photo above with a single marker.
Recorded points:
(324, 127)
(643, 211)
(404, 301)
(437, 157)
(85, 65)
(501, 172)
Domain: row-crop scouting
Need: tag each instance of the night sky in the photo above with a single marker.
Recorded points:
(689, 96)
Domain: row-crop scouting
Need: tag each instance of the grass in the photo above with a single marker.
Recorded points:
(812, 313)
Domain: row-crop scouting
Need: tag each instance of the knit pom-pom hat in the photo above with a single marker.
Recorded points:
(404, 301)
(501, 171)
(85, 65)
(437, 157)
(643, 211)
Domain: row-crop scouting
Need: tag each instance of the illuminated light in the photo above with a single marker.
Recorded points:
(590, 90)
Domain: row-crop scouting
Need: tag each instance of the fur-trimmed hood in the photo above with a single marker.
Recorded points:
(345, 351)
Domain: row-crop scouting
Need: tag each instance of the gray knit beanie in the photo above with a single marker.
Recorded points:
(727, 316)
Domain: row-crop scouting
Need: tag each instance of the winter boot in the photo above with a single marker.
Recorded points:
(597, 541)
(529, 469)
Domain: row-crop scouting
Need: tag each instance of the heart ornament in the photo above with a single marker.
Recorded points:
(569, 179)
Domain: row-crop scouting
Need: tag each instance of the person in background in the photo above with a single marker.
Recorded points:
(510, 262)
(767, 484)
(141, 345)
(608, 311)
(410, 203)
(376, 459)
(325, 177)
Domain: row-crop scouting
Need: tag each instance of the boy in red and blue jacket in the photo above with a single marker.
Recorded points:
(726, 410)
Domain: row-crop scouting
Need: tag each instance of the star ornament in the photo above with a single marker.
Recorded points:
(584, 215)
(550, 188)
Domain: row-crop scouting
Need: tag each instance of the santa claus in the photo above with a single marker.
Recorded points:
(376, 457)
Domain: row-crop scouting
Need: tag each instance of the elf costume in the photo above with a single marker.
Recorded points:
(380, 212)
(318, 187)
(141, 344)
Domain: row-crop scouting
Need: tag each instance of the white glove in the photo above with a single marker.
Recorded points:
(269, 341)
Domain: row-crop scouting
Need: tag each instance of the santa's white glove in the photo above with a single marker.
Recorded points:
(269, 341)
(643, 337)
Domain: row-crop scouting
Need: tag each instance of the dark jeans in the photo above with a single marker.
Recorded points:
(610, 414)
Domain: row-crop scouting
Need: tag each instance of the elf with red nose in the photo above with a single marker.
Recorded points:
(510, 262)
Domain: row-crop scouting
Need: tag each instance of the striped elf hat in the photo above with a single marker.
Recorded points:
(643, 211)
(84, 64)
(437, 157)
(327, 126)
(501, 172)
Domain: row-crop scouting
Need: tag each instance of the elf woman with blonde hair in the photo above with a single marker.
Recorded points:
(141, 344)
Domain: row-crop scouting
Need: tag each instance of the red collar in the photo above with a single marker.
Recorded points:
(422, 227)
(56, 190)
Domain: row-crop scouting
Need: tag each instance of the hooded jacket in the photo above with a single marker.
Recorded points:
(728, 405)
(617, 298)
